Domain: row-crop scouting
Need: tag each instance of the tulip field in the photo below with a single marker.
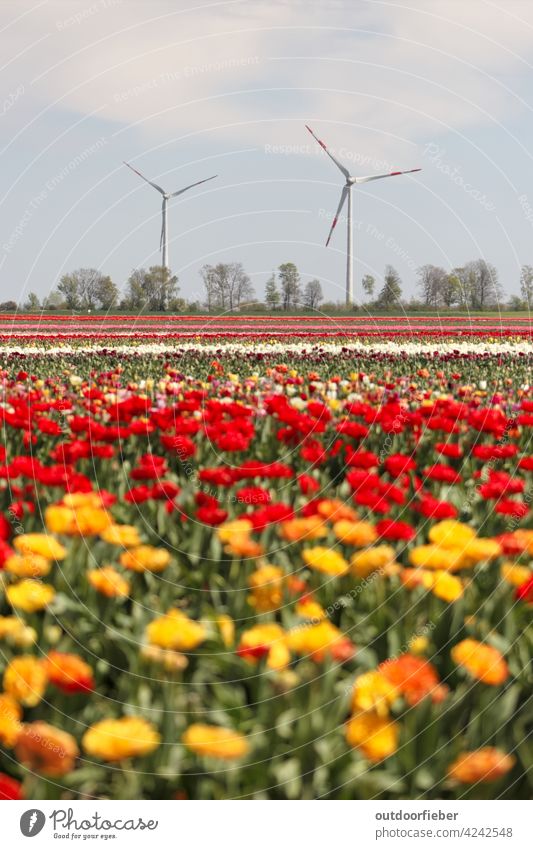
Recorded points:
(113, 330)
(266, 558)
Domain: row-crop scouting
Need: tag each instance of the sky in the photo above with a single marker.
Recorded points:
(184, 90)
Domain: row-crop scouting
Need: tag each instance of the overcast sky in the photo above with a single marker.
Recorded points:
(186, 89)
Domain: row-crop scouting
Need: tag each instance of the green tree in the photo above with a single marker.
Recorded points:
(227, 285)
(391, 291)
(369, 284)
(135, 297)
(313, 294)
(106, 293)
(483, 286)
(54, 301)
(526, 285)
(516, 304)
(32, 303)
(68, 287)
(290, 285)
(87, 289)
(178, 305)
(464, 275)
(272, 295)
(451, 290)
(431, 282)
(162, 287)
(152, 290)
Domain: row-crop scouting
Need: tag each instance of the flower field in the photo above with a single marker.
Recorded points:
(173, 330)
(266, 560)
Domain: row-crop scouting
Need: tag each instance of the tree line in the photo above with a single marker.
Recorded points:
(227, 287)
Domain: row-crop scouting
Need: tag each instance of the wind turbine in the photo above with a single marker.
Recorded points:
(163, 242)
(347, 193)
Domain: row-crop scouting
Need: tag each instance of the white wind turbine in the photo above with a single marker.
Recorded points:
(347, 193)
(163, 243)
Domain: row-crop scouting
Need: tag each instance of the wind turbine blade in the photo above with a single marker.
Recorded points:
(162, 226)
(381, 176)
(339, 165)
(344, 195)
(159, 189)
(180, 191)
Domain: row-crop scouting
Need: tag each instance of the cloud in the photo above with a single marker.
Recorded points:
(384, 74)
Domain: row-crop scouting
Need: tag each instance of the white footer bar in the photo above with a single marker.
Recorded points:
(268, 824)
